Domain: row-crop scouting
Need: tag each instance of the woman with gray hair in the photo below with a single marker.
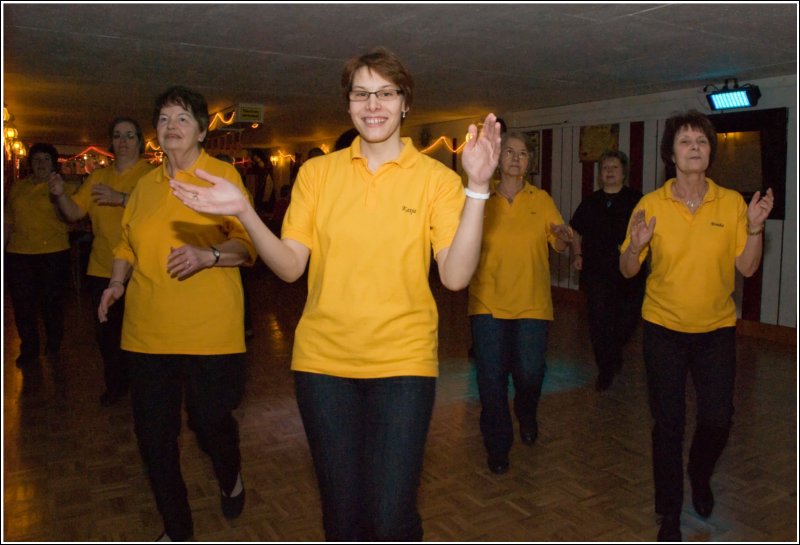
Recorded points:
(510, 303)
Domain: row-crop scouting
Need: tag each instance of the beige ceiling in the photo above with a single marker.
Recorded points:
(69, 68)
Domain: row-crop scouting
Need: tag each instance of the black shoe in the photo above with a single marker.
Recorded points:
(528, 435)
(670, 529)
(232, 506)
(702, 497)
(498, 464)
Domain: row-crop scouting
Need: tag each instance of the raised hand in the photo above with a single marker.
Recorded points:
(641, 231)
(481, 153)
(222, 198)
(55, 183)
(759, 208)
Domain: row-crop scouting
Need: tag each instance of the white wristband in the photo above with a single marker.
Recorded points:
(474, 195)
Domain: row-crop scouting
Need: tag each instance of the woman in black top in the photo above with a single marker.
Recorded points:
(614, 302)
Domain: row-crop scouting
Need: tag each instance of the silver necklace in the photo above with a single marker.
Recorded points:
(694, 204)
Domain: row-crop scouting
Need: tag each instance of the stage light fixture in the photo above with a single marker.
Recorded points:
(732, 96)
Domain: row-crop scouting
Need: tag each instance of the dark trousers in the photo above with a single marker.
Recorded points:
(213, 386)
(501, 347)
(367, 440)
(615, 308)
(37, 284)
(107, 334)
(710, 358)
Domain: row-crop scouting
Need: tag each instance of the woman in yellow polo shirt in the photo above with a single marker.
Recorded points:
(509, 301)
(183, 327)
(103, 196)
(364, 219)
(37, 263)
(697, 235)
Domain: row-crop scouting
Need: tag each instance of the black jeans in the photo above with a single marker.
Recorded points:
(37, 283)
(214, 387)
(615, 308)
(711, 359)
(108, 334)
(367, 440)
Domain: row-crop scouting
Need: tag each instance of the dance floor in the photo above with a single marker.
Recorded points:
(72, 472)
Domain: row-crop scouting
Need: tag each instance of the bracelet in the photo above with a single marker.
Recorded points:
(475, 195)
(216, 253)
(111, 283)
(756, 232)
(577, 255)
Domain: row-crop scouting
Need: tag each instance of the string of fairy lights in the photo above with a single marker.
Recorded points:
(15, 147)
(280, 156)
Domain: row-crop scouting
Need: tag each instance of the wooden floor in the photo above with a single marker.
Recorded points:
(72, 471)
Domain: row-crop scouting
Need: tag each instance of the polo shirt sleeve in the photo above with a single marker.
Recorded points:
(298, 222)
(123, 248)
(83, 196)
(741, 225)
(448, 203)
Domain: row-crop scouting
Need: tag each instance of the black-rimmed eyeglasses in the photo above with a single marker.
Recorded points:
(384, 95)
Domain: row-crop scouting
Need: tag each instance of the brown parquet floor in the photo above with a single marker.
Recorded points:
(72, 472)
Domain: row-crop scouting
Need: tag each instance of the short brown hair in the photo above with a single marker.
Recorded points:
(693, 119)
(383, 62)
(187, 99)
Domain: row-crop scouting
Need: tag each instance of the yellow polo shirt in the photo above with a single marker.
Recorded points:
(201, 315)
(33, 220)
(106, 220)
(513, 276)
(370, 312)
(692, 271)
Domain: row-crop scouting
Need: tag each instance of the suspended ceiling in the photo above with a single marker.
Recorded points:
(68, 69)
